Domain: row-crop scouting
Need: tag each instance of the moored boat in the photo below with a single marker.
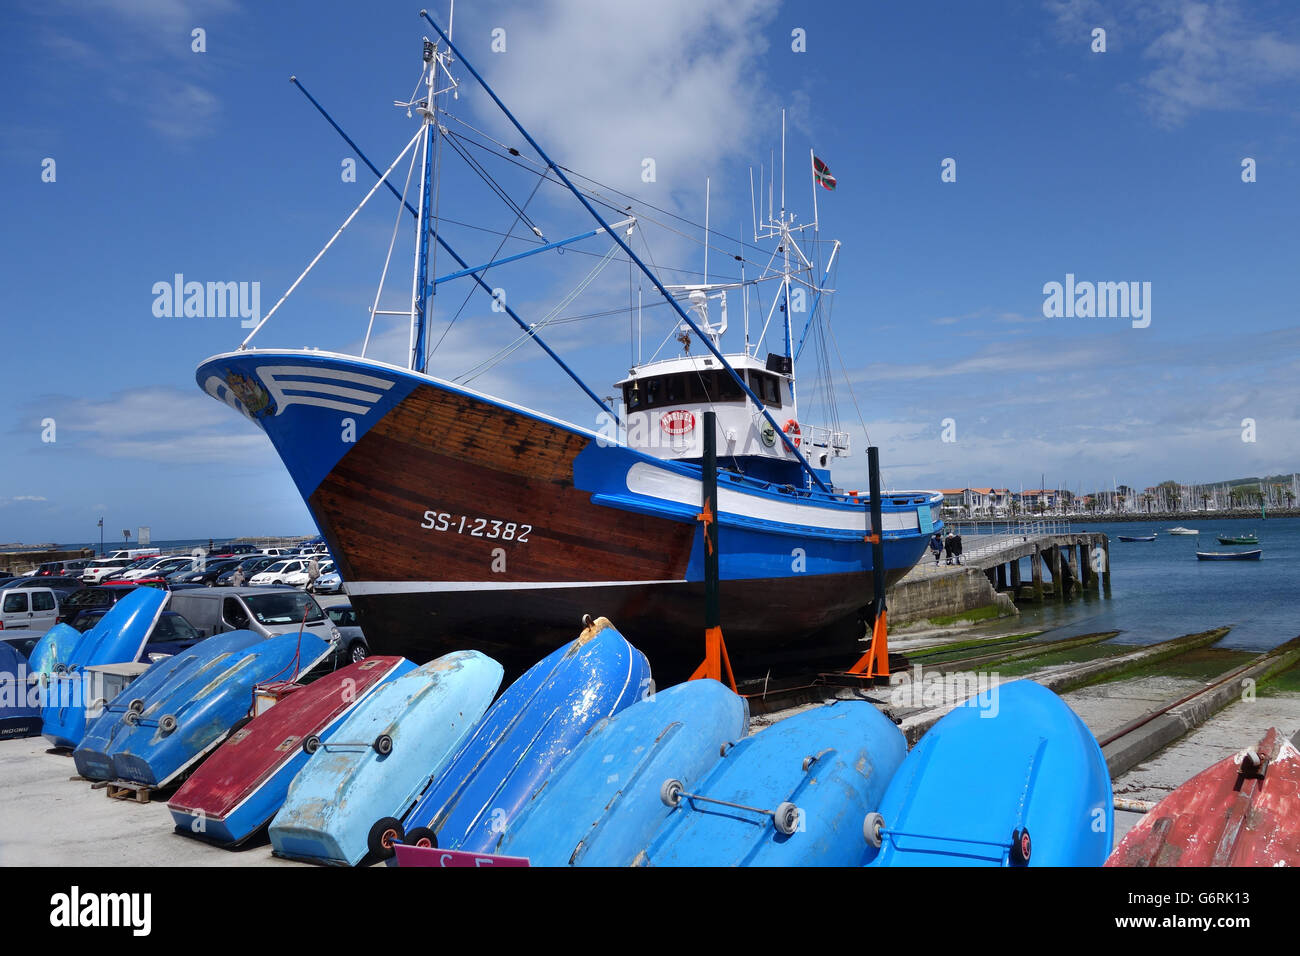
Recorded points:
(1182, 530)
(1239, 812)
(238, 789)
(1012, 777)
(1237, 539)
(796, 793)
(382, 757)
(1136, 537)
(1252, 555)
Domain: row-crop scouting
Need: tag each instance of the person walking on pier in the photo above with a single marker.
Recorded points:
(956, 547)
(947, 548)
(936, 545)
(313, 572)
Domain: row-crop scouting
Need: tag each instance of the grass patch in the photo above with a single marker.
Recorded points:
(985, 613)
(1075, 655)
(1287, 682)
(941, 650)
(1203, 664)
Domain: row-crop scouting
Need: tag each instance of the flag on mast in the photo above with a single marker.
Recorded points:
(822, 172)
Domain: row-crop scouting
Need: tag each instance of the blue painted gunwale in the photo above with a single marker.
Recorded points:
(118, 638)
(602, 805)
(534, 725)
(207, 703)
(1015, 757)
(18, 718)
(265, 796)
(92, 754)
(347, 786)
(855, 751)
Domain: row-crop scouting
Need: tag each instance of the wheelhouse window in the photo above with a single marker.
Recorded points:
(703, 387)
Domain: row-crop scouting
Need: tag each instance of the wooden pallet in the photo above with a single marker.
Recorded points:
(125, 790)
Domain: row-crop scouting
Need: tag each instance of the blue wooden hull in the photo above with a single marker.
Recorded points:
(206, 706)
(526, 734)
(348, 785)
(832, 763)
(1015, 759)
(118, 638)
(92, 756)
(602, 805)
(19, 715)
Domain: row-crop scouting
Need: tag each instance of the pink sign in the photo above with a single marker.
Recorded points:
(428, 856)
(679, 422)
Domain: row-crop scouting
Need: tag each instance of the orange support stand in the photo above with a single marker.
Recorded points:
(875, 662)
(717, 665)
(716, 662)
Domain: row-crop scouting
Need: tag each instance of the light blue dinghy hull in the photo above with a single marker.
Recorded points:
(52, 650)
(118, 638)
(349, 784)
(205, 705)
(527, 733)
(602, 806)
(92, 755)
(816, 774)
(1015, 760)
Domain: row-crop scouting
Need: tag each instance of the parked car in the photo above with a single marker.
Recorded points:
(158, 567)
(353, 645)
(23, 641)
(329, 582)
(62, 568)
(98, 598)
(236, 550)
(96, 571)
(131, 554)
(300, 579)
(58, 583)
(278, 572)
(250, 566)
(206, 575)
(171, 634)
(32, 608)
(267, 611)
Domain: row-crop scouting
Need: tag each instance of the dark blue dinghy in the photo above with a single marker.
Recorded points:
(142, 699)
(603, 804)
(118, 638)
(198, 711)
(19, 695)
(534, 725)
(1010, 778)
(794, 794)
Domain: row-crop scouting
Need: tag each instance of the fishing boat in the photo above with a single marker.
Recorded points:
(19, 714)
(1238, 539)
(1239, 812)
(602, 806)
(144, 698)
(1252, 555)
(119, 637)
(794, 794)
(462, 520)
(1136, 537)
(237, 790)
(521, 741)
(199, 710)
(381, 758)
(1012, 777)
(1182, 530)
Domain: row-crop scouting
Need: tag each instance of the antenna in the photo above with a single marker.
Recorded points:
(783, 165)
(706, 230)
(752, 214)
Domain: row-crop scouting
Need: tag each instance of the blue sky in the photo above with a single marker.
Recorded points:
(1123, 165)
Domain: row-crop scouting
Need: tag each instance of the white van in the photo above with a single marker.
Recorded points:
(34, 610)
(134, 553)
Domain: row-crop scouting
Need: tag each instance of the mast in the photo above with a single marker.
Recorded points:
(420, 280)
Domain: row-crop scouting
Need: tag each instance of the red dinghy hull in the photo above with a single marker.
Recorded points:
(1243, 811)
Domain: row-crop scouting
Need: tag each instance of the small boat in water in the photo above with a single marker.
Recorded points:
(118, 638)
(382, 757)
(1238, 539)
(794, 794)
(1136, 537)
(603, 804)
(243, 784)
(1012, 777)
(197, 711)
(1229, 555)
(516, 749)
(1239, 812)
(1181, 530)
(19, 715)
(144, 698)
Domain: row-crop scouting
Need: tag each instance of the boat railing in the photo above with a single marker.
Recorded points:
(819, 436)
(1024, 528)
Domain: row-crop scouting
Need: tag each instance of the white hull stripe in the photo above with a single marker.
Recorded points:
(421, 587)
(664, 485)
(279, 379)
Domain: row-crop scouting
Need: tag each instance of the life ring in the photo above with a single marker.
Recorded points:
(792, 429)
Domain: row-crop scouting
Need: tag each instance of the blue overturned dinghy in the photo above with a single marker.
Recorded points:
(522, 740)
(51, 652)
(794, 794)
(195, 711)
(118, 638)
(379, 759)
(19, 715)
(1011, 778)
(603, 805)
(144, 698)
